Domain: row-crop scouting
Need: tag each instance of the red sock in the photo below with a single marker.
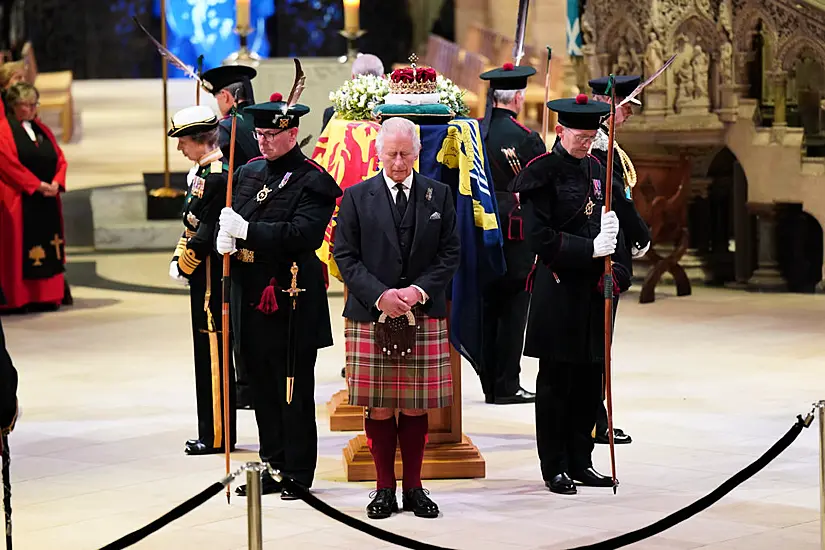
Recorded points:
(382, 436)
(412, 435)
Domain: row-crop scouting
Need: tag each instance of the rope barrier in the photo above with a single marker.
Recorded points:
(617, 542)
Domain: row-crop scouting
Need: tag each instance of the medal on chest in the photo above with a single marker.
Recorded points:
(197, 186)
(264, 193)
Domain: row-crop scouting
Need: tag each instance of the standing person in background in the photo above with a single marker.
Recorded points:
(228, 81)
(364, 64)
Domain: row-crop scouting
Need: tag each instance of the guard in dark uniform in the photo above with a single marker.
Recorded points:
(226, 81)
(510, 146)
(562, 193)
(196, 261)
(637, 236)
(280, 210)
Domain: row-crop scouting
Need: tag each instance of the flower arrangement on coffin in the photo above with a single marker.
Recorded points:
(356, 99)
(411, 91)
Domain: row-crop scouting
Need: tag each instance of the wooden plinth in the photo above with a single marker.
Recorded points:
(460, 460)
(344, 417)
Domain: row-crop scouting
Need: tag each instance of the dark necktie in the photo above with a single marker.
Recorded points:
(400, 200)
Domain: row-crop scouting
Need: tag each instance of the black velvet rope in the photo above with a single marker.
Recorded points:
(399, 540)
(167, 518)
(609, 544)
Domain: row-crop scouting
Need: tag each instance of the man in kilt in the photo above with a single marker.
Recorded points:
(397, 248)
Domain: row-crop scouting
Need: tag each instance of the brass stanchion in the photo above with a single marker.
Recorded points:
(253, 503)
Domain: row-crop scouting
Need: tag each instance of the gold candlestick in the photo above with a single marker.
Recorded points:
(352, 36)
(243, 29)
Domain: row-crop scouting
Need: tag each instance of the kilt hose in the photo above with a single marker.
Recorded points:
(422, 380)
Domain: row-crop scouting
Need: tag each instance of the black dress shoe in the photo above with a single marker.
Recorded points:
(592, 478)
(521, 396)
(417, 502)
(383, 504)
(561, 484)
(196, 447)
(286, 494)
(619, 437)
(268, 486)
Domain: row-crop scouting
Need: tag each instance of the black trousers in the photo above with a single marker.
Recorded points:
(208, 346)
(287, 433)
(567, 395)
(504, 318)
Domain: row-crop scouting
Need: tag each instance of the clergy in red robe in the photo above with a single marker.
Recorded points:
(32, 174)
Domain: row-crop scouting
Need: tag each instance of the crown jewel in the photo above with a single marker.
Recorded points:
(413, 79)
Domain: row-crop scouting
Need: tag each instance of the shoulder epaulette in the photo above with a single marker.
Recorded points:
(520, 125)
(316, 165)
(543, 155)
(216, 167)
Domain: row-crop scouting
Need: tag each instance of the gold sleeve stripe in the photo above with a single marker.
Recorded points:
(188, 262)
(180, 247)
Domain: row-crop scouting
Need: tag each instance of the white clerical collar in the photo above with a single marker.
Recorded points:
(407, 183)
(27, 126)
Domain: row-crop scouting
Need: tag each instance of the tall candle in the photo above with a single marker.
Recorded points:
(242, 13)
(351, 12)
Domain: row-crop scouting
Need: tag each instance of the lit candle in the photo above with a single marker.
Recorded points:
(351, 9)
(242, 13)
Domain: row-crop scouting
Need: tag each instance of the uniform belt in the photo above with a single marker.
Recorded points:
(246, 256)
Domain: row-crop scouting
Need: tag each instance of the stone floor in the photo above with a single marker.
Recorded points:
(704, 384)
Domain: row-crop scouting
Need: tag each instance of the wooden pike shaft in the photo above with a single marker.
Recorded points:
(225, 307)
(165, 75)
(545, 120)
(608, 286)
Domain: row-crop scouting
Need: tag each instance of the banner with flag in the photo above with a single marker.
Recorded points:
(574, 34)
(451, 153)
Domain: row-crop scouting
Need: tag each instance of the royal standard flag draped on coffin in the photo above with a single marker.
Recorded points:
(454, 154)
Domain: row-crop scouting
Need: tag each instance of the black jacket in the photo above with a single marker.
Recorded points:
(368, 253)
(566, 319)
(507, 132)
(286, 225)
(246, 146)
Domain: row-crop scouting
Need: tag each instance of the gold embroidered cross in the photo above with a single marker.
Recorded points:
(56, 242)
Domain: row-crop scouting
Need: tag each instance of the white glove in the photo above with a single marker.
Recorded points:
(636, 253)
(605, 242)
(175, 275)
(233, 223)
(225, 242)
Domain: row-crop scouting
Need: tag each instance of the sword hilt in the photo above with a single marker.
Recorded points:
(293, 289)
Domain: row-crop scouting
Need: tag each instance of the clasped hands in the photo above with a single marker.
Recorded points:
(396, 302)
(233, 226)
(49, 189)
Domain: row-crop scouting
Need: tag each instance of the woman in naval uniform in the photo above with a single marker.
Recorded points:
(196, 261)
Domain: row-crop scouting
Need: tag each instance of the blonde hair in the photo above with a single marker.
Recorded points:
(7, 70)
(22, 92)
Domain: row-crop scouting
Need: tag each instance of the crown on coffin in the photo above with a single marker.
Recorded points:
(413, 79)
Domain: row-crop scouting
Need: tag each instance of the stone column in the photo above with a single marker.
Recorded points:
(743, 248)
(779, 85)
(767, 275)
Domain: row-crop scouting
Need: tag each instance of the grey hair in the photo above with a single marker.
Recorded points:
(397, 125)
(506, 96)
(367, 64)
(209, 137)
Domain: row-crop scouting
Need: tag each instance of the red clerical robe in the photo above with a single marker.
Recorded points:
(31, 271)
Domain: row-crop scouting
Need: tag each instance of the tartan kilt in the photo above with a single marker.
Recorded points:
(422, 380)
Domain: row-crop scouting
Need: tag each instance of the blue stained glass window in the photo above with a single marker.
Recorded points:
(207, 27)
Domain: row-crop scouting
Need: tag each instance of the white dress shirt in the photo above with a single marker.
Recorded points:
(407, 183)
(27, 126)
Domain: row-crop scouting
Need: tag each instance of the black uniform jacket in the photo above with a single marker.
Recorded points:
(368, 253)
(246, 146)
(206, 197)
(505, 133)
(566, 319)
(288, 203)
